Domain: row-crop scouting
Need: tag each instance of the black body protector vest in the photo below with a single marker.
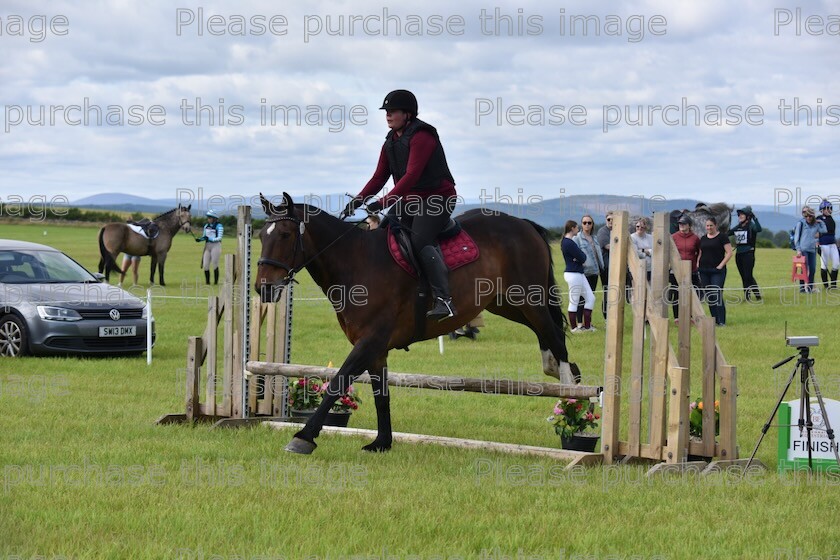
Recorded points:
(397, 149)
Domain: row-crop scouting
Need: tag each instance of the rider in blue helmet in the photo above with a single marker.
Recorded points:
(213, 232)
(829, 257)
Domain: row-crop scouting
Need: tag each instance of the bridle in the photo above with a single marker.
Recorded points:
(292, 270)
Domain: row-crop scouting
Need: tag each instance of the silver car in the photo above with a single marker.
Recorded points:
(50, 304)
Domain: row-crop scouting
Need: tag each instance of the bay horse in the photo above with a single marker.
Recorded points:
(116, 238)
(515, 259)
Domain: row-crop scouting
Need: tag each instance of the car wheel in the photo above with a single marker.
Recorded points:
(13, 340)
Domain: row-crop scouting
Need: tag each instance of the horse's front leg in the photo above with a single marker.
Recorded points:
(362, 357)
(382, 399)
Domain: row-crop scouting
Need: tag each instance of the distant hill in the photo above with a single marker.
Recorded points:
(548, 213)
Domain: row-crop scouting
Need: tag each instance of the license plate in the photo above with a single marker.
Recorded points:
(105, 332)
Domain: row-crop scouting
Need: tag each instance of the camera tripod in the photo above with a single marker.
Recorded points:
(805, 367)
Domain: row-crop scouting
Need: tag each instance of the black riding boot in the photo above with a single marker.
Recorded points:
(833, 279)
(824, 276)
(431, 261)
(207, 277)
(215, 275)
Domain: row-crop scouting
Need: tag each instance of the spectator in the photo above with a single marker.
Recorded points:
(828, 247)
(213, 232)
(805, 235)
(715, 252)
(574, 277)
(603, 239)
(688, 246)
(594, 265)
(133, 262)
(745, 236)
(643, 243)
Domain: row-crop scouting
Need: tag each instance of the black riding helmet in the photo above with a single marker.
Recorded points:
(400, 99)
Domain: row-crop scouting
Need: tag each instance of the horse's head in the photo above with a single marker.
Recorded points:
(282, 248)
(184, 218)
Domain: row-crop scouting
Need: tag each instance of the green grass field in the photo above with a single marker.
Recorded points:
(87, 473)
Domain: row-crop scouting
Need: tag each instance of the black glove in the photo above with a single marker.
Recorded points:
(198, 240)
(354, 203)
(375, 206)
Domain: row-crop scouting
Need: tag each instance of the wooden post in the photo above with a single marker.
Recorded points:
(678, 416)
(686, 290)
(613, 350)
(228, 334)
(707, 334)
(728, 412)
(255, 382)
(661, 260)
(658, 390)
(637, 355)
(210, 342)
(192, 377)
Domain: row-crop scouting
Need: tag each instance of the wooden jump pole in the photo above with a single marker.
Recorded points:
(438, 382)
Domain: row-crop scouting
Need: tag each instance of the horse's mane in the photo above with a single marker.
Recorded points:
(159, 216)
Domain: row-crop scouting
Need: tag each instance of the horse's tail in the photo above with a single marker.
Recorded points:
(554, 297)
(106, 260)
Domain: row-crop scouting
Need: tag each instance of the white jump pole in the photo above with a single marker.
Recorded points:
(148, 326)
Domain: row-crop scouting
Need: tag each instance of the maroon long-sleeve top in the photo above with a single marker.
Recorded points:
(688, 245)
(422, 145)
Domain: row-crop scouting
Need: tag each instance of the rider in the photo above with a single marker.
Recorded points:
(213, 232)
(828, 247)
(413, 155)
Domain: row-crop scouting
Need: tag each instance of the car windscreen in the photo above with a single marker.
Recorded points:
(34, 267)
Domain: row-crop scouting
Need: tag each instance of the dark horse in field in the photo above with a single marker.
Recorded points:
(116, 238)
(515, 260)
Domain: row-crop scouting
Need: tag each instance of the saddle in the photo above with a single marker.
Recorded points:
(145, 227)
(457, 246)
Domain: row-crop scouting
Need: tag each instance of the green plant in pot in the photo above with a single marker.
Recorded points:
(304, 396)
(571, 418)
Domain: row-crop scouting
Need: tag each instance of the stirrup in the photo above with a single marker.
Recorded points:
(442, 310)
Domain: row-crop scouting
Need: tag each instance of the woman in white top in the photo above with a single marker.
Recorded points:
(643, 243)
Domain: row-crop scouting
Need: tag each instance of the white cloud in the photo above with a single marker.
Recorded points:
(128, 53)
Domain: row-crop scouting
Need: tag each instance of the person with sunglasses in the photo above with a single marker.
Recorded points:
(603, 238)
(805, 236)
(578, 286)
(643, 243)
(594, 265)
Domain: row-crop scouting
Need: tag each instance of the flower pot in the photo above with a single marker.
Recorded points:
(339, 419)
(304, 415)
(580, 442)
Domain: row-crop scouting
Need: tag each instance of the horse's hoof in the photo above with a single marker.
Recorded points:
(301, 446)
(377, 447)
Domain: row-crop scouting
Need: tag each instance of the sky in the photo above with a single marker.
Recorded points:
(531, 99)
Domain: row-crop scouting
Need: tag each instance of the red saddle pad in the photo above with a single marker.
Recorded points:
(457, 251)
